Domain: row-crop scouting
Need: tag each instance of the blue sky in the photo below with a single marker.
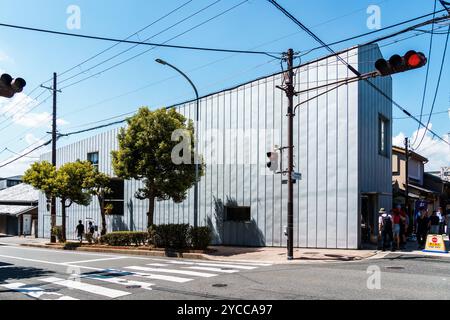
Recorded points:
(254, 23)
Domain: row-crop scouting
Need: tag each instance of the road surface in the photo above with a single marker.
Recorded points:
(40, 274)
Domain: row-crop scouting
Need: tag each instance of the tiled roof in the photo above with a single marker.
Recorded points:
(20, 193)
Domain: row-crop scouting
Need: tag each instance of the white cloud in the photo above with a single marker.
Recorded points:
(19, 111)
(434, 149)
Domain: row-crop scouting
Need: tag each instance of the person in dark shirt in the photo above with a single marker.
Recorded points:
(422, 228)
(80, 231)
(434, 223)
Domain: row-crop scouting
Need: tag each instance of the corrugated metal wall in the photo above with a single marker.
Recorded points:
(326, 207)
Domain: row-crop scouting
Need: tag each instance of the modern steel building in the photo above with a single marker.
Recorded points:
(342, 149)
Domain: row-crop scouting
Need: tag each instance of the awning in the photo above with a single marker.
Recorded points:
(423, 189)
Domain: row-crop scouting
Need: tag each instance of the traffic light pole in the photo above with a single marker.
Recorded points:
(55, 90)
(407, 177)
(290, 92)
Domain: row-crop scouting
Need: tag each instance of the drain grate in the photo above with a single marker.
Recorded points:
(395, 268)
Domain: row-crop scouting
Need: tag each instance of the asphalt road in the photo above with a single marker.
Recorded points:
(31, 274)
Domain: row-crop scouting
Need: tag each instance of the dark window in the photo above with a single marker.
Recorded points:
(238, 214)
(116, 197)
(383, 136)
(93, 158)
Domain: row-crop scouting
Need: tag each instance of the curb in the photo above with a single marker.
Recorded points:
(186, 255)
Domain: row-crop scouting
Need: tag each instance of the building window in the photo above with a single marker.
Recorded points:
(238, 214)
(93, 158)
(116, 197)
(383, 136)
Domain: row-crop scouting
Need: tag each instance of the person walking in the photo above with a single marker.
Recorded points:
(441, 216)
(434, 223)
(422, 224)
(385, 229)
(396, 230)
(80, 231)
(447, 222)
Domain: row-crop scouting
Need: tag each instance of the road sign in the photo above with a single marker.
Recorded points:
(296, 176)
(435, 243)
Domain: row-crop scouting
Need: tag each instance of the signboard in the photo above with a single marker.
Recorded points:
(296, 176)
(435, 243)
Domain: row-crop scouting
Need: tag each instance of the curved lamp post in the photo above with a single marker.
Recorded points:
(196, 137)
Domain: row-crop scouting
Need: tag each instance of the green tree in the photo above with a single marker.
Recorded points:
(146, 151)
(41, 176)
(98, 185)
(70, 187)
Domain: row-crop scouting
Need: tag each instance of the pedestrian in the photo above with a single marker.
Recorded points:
(91, 228)
(447, 222)
(422, 224)
(434, 223)
(404, 224)
(385, 229)
(80, 231)
(441, 216)
(396, 230)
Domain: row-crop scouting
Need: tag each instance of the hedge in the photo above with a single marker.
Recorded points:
(125, 238)
(171, 236)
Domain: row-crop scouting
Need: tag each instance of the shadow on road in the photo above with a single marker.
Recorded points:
(12, 272)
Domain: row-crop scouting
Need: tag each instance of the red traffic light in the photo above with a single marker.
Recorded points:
(411, 60)
(415, 60)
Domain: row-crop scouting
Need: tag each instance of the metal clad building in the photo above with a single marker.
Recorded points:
(342, 149)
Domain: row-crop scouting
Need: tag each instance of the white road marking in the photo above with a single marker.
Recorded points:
(232, 266)
(98, 290)
(160, 277)
(49, 262)
(160, 270)
(234, 262)
(120, 281)
(212, 269)
(95, 260)
(158, 264)
(34, 292)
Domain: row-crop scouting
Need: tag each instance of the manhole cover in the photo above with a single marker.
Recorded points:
(395, 268)
(134, 287)
(220, 285)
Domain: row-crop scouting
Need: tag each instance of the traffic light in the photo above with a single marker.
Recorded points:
(9, 86)
(411, 60)
(273, 163)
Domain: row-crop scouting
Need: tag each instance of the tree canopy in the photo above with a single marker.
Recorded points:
(146, 153)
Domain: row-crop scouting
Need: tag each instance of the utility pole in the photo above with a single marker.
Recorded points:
(407, 176)
(290, 92)
(55, 90)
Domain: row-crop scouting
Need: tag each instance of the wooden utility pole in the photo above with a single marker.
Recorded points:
(290, 92)
(407, 177)
(55, 90)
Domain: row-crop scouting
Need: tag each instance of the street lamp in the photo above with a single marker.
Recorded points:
(196, 137)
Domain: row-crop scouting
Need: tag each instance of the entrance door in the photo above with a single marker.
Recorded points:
(26, 225)
(369, 219)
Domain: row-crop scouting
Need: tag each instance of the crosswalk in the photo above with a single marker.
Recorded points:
(125, 281)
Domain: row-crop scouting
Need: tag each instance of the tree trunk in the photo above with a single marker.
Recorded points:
(63, 220)
(103, 214)
(151, 209)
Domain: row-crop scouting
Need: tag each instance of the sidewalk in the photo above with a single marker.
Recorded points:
(222, 253)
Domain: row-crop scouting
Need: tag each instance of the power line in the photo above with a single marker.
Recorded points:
(165, 42)
(435, 113)
(437, 88)
(427, 75)
(270, 54)
(136, 45)
(130, 36)
(285, 12)
(25, 154)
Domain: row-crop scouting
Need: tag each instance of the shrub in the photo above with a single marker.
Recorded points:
(125, 238)
(57, 232)
(174, 236)
(200, 237)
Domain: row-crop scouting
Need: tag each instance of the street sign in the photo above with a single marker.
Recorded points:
(435, 243)
(296, 176)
